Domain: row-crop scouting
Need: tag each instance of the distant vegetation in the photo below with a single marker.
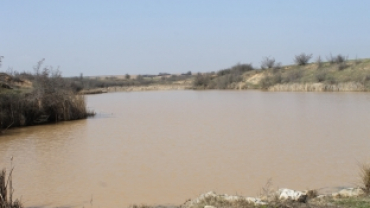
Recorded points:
(81, 84)
(337, 69)
(329, 72)
(223, 79)
(40, 97)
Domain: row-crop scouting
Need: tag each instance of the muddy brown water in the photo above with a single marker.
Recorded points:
(168, 146)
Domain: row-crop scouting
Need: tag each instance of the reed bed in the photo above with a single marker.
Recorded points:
(6, 191)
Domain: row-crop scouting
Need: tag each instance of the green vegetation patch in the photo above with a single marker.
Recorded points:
(354, 202)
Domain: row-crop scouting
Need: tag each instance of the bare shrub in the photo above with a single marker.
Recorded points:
(267, 192)
(338, 59)
(202, 80)
(241, 68)
(52, 99)
(267, 63)
(237, 69)
(302, 59)
(365, 178)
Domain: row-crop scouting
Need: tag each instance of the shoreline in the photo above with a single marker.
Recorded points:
(282, 198)
(136, 89)
(288, 87)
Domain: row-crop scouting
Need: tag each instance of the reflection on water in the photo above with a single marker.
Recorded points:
(166, 147)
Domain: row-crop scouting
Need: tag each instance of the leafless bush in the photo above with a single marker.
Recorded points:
(241, 68)
(53, 99)
(365, 177)
(202, 81)
(237, 69)
(302, 59)
(340, 59)
(336, 59)
(267, 192)
(267, 63)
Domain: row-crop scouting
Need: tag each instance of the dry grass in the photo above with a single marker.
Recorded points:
(275, 203)
(365, 178)
(6, 192)
(220, 202)
(349, 202)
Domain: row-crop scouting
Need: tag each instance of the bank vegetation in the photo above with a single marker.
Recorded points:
(329, 73)
(335, 73)
(102, 84)
(40, 97)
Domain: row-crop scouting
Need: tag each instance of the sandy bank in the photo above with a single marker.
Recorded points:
(136, 89)
(319, 87)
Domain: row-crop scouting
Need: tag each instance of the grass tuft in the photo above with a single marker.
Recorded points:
(365, 178)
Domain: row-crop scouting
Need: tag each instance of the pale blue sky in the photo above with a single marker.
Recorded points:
(148, 37)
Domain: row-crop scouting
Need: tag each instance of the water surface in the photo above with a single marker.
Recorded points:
(165, 147)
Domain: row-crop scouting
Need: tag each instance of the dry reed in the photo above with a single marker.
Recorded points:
(6, 191)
